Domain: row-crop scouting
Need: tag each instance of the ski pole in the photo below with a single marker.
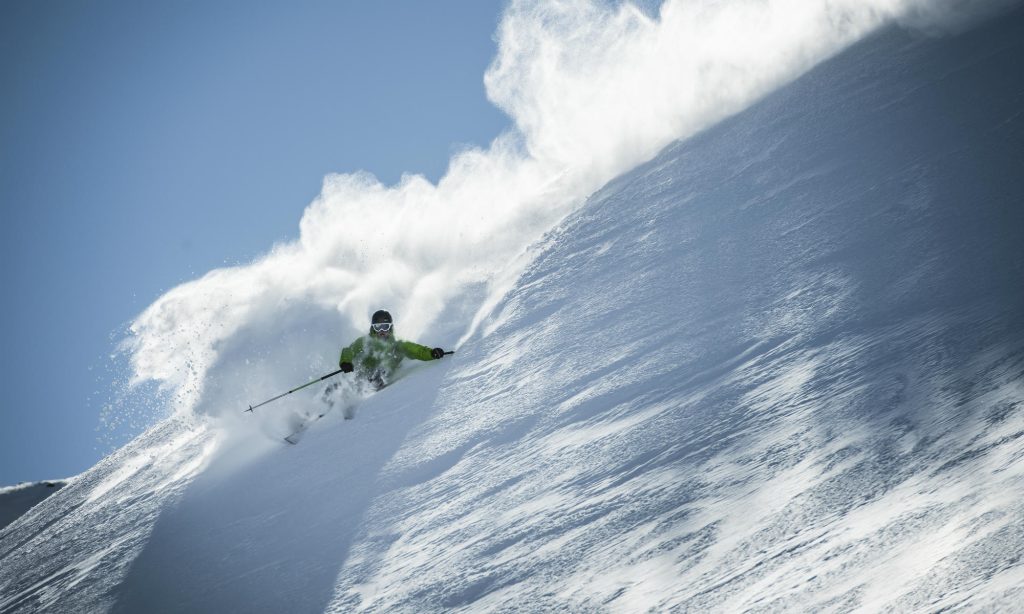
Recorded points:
(319, 379)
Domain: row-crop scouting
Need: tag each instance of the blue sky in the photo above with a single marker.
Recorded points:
(141, 146)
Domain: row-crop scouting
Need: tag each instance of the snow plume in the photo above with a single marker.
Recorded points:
(592, 91)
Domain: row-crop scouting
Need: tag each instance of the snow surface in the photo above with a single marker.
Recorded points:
(779, 367)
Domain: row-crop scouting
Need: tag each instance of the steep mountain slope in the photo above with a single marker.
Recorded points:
(778, 367)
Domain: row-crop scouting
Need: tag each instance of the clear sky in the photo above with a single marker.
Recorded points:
(143, 144)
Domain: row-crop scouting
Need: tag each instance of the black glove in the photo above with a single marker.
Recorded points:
(346, 367)
(436, 353)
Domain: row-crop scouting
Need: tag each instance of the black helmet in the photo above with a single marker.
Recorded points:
(381, 324)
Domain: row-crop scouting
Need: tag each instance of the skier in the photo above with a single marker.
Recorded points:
(376, 356)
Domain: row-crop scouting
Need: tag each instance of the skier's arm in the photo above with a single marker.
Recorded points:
(349, 354)
(415, 350)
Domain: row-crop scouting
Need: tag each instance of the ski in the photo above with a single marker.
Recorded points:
(295, 436)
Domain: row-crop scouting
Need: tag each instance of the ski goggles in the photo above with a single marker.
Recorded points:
(381, 327)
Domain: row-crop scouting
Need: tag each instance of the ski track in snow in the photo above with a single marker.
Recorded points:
(780, 367)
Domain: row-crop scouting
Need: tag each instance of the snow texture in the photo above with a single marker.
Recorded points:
(779, 367)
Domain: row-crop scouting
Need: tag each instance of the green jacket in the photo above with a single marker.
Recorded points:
(369, 353)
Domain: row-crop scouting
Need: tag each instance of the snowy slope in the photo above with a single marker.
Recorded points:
(778, 367)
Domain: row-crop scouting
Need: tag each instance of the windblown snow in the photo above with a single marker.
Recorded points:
(777, 367)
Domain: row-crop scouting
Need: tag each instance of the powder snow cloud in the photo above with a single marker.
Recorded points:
(592, 91)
